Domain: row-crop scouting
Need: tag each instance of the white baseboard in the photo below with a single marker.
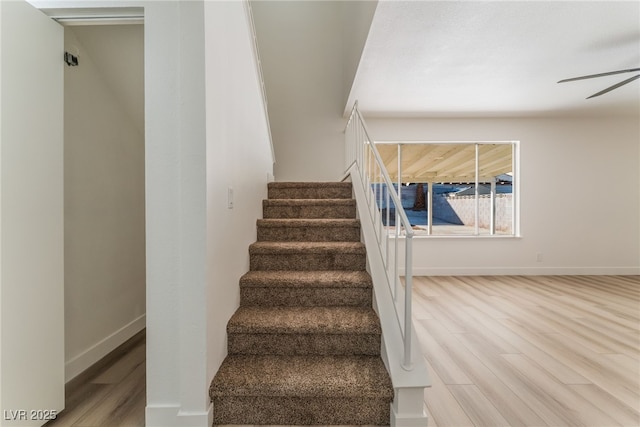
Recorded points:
(172, 416)
(526, 271)
(398, 420)
(93, 354)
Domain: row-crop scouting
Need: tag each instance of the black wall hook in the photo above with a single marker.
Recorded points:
(70, 59)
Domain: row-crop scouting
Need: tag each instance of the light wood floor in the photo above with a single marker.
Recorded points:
(114, 397)
(534, 351)
(502, 351)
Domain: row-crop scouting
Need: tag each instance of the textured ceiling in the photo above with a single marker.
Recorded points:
(498, 58)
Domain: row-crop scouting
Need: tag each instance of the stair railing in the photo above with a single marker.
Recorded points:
(381, 195)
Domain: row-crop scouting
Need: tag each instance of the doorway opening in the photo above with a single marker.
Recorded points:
(104, 215)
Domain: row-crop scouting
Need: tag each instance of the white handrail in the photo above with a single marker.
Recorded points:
(360, 151)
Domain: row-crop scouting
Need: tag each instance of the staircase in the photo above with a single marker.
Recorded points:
(304, 346)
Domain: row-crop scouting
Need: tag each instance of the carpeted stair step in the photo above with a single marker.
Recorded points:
(303, 390)
(304, 331)
(309, 190)
(309, 230)
(309, 208)
(306, 288)
(304, 346)
(307, 256)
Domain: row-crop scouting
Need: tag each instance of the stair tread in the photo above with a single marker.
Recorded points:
(302, 376)
(309, 208)
(304, 320)
(309, 184)
(308, 222)
(306, 279)
(308, 202)
(306, 247)
(309, 190)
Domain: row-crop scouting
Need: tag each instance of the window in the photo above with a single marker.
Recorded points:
(454, 188)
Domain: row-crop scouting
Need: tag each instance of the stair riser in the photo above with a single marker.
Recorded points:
(309, 234)
(300, 410)
(307, 262)
(310, 193)
(305, 297)
(305, 344)
(309, 212)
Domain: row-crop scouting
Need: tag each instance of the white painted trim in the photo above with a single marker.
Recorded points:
(408, 409)
(399, 420)
(67, 15)
(172, 416)
(526, 271)
(74, 22)
(450, 141)
(93, 354)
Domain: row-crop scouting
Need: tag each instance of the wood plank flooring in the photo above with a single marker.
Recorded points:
(501, 351)
(114, 397)
(531, 350)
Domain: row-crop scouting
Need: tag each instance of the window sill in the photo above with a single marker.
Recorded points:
(463, 236)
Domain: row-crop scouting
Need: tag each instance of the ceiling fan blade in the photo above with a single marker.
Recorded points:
(615, 86)
(591, 76)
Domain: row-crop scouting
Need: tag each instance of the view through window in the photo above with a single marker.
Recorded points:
(465, 188)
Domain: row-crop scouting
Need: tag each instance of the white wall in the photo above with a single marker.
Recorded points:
(175, 213)
(206, 131)
(301, 48)
(162, 213)
(579, 208)
(238, 157)
(104, 214)
(310, 51)
(356, 22)
(118, 52)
